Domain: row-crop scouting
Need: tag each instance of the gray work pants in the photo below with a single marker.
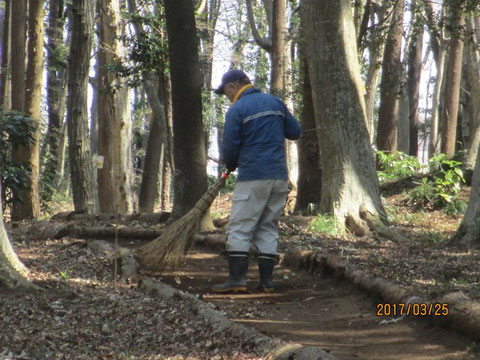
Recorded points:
(256, 207)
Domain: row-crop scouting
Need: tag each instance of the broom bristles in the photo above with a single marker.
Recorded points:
(169, 248)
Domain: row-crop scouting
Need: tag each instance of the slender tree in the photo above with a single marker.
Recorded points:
(18, 57)
(275, 43)
(473, 79)
(157, 151)
(453, 76)
(376, 44)
(5, 83)
(57, 71)
(114, 121)
(81, 163)
(390, 83)
(414, 74)
(188, 140)
(349, 183)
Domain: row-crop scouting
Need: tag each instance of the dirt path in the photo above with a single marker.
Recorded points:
(318, 311)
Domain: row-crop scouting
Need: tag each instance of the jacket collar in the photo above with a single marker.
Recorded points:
(247, 89)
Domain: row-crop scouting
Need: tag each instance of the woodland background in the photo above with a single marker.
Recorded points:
(109, 126)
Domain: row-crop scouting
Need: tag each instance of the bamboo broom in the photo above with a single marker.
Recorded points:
(169, 248)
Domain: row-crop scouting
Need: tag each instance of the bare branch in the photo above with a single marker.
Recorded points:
(266, 44)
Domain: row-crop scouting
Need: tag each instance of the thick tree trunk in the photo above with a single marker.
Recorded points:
(81, 164)
(5, 83)
(189, 146)
(349, 183)
(114, 121)
(13, 274)
(390, 83)
(453, 79)
(309, 184)
(414, 74)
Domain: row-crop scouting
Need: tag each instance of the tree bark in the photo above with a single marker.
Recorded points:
(390, 83)
(56, 92)
(453, 79)
(473, 78)
(18, 56)
(275, 43)
(414, 74)
(434, 145)
(188, 140)
(375, 50)
(26, 204)
(5, 83)
(279, 31)
(83, 176)
(349, 183)
(309, 184)
(156, 145)
(468, 233)
(114, 121)
(13, 273)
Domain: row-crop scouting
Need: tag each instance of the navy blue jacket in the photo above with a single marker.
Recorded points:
(253, 139)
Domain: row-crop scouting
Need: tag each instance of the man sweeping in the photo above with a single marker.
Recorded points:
(255, 128)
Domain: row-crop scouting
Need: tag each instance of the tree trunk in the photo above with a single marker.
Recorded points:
(376, 50)
(349, 183)
(18, 51)
(5, 83)
(309, 184)
(414, 74)
(13, 274)
(279, 30)
(27, 206)
(188, 141)
(467, 233)
(114, 121)
(473, 78)
(81, 164)
(56, 94)
(434, 145)
(403, 125)
(156, 146)
(453, 77)
(390, 83)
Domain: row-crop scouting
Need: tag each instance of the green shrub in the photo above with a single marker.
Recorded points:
(16, 129)
(397, 166)
(443, 190)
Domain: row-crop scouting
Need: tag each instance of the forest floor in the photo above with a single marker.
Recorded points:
(85, 315)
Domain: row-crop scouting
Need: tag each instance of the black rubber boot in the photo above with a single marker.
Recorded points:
(266, 262)
(237, 276)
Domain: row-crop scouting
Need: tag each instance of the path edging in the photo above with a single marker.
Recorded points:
(272, 349)
(464, 313)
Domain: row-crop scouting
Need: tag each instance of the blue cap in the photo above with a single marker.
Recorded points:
(230, 76)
